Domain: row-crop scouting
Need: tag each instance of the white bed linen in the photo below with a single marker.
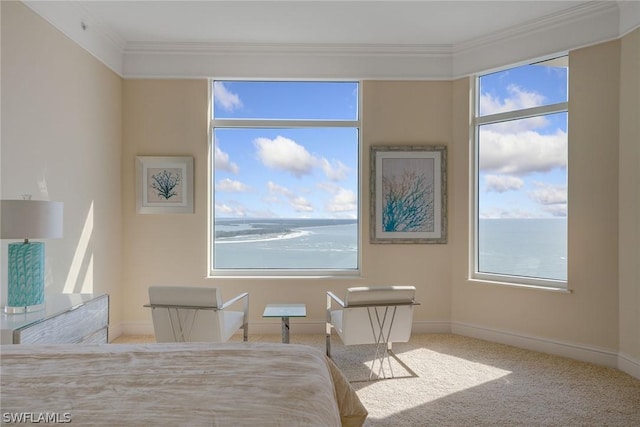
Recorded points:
(231, 384)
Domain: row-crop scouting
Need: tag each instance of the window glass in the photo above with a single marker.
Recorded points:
(521, 176)
(285, 100)
(527, 86)
(285, 198)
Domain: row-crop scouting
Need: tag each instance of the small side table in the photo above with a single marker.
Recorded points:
(285, 311)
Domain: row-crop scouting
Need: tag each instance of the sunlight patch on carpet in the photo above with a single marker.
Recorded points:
(446, 374)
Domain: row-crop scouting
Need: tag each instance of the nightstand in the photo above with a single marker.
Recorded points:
(66, 319)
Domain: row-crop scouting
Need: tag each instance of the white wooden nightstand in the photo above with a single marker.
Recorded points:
(66, 319)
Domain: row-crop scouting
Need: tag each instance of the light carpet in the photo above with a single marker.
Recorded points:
(451, 380)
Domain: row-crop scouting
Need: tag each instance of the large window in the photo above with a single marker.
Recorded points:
(520, 231)
(285, 158)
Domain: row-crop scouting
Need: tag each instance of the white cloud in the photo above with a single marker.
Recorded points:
(223, 163)
(502, 183)
(518, 99)
(300, 204)
(233, 208)
(285, 154)
(522, 153)
(548, 194)
(502, 213)
(278, 189)
(329, 187)
(334, 170)
(232, 186)
(224, 98)
(222, 209)
(556, 210)
(343, 201)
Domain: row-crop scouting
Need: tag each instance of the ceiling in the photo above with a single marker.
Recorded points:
(321, 22)
(425, 27)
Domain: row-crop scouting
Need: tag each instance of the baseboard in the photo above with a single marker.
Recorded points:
(431, 327)
(599, 356)
(629, 365)
(114, 331)
(136, 328)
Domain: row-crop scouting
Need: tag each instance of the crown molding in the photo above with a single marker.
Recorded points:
(76, 23)
(241, 60)
(558, 20)
(289, 49)
(287, 61)
(579, 26)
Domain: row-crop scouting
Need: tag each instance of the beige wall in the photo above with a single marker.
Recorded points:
(396, 113)
(629, 198)
(61, 140)
(169, 117)
(163, 118)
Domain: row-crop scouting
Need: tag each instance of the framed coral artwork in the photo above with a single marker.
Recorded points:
(164, 185)
(408, 194)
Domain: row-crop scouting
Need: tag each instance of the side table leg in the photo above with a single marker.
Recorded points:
(285, 330)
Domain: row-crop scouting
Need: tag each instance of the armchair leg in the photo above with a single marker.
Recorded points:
(382, 338)
(245, 323)
(328, 326)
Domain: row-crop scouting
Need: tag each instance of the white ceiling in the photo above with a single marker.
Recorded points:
(321, 22)
(129, 31)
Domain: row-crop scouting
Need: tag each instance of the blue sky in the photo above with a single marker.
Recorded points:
(523, 163)
(313, 173)
(286, 172)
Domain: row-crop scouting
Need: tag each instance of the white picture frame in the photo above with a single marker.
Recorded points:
(164, 184)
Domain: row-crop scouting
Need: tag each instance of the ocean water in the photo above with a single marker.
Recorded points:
(311, 246)
(523, 247)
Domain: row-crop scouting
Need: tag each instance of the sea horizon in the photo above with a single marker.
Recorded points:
(528, 247)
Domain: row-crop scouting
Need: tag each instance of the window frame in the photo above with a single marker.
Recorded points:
(476, 122)
(284, 124)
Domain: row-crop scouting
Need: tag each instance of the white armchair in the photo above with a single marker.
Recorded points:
(195, 314)
(372, 315)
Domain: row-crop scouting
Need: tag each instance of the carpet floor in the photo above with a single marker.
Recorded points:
(451, 380)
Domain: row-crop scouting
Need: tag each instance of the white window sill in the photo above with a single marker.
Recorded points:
(555, 289)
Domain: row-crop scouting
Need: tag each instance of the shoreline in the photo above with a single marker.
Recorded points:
(267, 237)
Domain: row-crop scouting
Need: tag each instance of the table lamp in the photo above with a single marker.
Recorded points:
(28, 219)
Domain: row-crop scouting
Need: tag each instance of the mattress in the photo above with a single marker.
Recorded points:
(230, 384)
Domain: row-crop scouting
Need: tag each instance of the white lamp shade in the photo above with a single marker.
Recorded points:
(30, 219)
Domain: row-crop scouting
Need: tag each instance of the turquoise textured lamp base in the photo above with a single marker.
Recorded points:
(26, 277)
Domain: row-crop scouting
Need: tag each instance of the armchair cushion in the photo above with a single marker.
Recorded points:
(185, 295)
(365, 295)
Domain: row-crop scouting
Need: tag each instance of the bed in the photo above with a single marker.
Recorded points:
(230, 384)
